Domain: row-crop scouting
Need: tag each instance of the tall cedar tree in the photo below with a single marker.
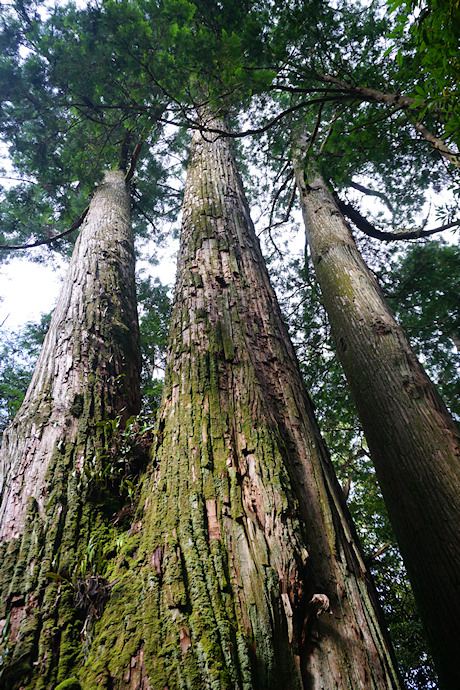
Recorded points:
(304, 600)
(88, 371)
(414, 442)
(241, 569)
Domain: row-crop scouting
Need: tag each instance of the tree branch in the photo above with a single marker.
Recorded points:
(277, 195)
(143, 213)
(76, 225)
(377, 553)
(400, 102)
(369, 94)
(370, 230)
(373, 192)
(261, 130)
(438, 144)
(285, 219)
(134, 159)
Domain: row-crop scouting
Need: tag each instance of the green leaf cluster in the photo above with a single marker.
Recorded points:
(422, 288)
(429, 31)
(18, 354)
(155, 307)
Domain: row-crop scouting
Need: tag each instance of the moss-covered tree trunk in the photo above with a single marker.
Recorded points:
(88, 370)
(413, 441)
(241, 569)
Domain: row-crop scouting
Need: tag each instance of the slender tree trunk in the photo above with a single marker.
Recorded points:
(88, 370)
(242, 569)
(413, 440)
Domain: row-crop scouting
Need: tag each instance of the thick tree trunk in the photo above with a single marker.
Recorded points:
(413, 440)
(88, 370)
(243, 539)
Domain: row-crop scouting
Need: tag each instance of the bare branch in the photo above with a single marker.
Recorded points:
(368, 229)
(271, 225)
(259, 130)
(143, 213)
(278, 193)
(134, 159)
(373, 192)
(73, 227)
(379, 552)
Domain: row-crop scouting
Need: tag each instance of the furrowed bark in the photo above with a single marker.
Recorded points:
(243, 539)
(88, 370)
(413, 440)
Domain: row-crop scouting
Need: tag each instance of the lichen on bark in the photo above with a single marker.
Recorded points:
(88, 370)
(241, 538)
(414, 442)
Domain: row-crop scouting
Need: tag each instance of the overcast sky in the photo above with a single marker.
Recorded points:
(27, 290)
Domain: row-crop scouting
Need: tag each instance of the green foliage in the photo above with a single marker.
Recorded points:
(322, 49)
(91, 563)
(72, 105)
(428, 31)
(114, 466)
(92, 560)
(18, 353)
(28, 214)
(155, 307)
(423, 287)
(75, 102)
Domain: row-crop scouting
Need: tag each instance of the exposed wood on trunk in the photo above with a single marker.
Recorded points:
(413, 440)
(245, 570)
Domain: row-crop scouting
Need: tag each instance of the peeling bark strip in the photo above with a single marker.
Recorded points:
(88, 370)
(254, 538)
(413, 441)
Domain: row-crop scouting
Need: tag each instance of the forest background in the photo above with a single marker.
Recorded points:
(365, 152)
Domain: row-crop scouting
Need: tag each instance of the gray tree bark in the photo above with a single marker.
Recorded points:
(413, 440)
(242, 569)
(88, 370)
